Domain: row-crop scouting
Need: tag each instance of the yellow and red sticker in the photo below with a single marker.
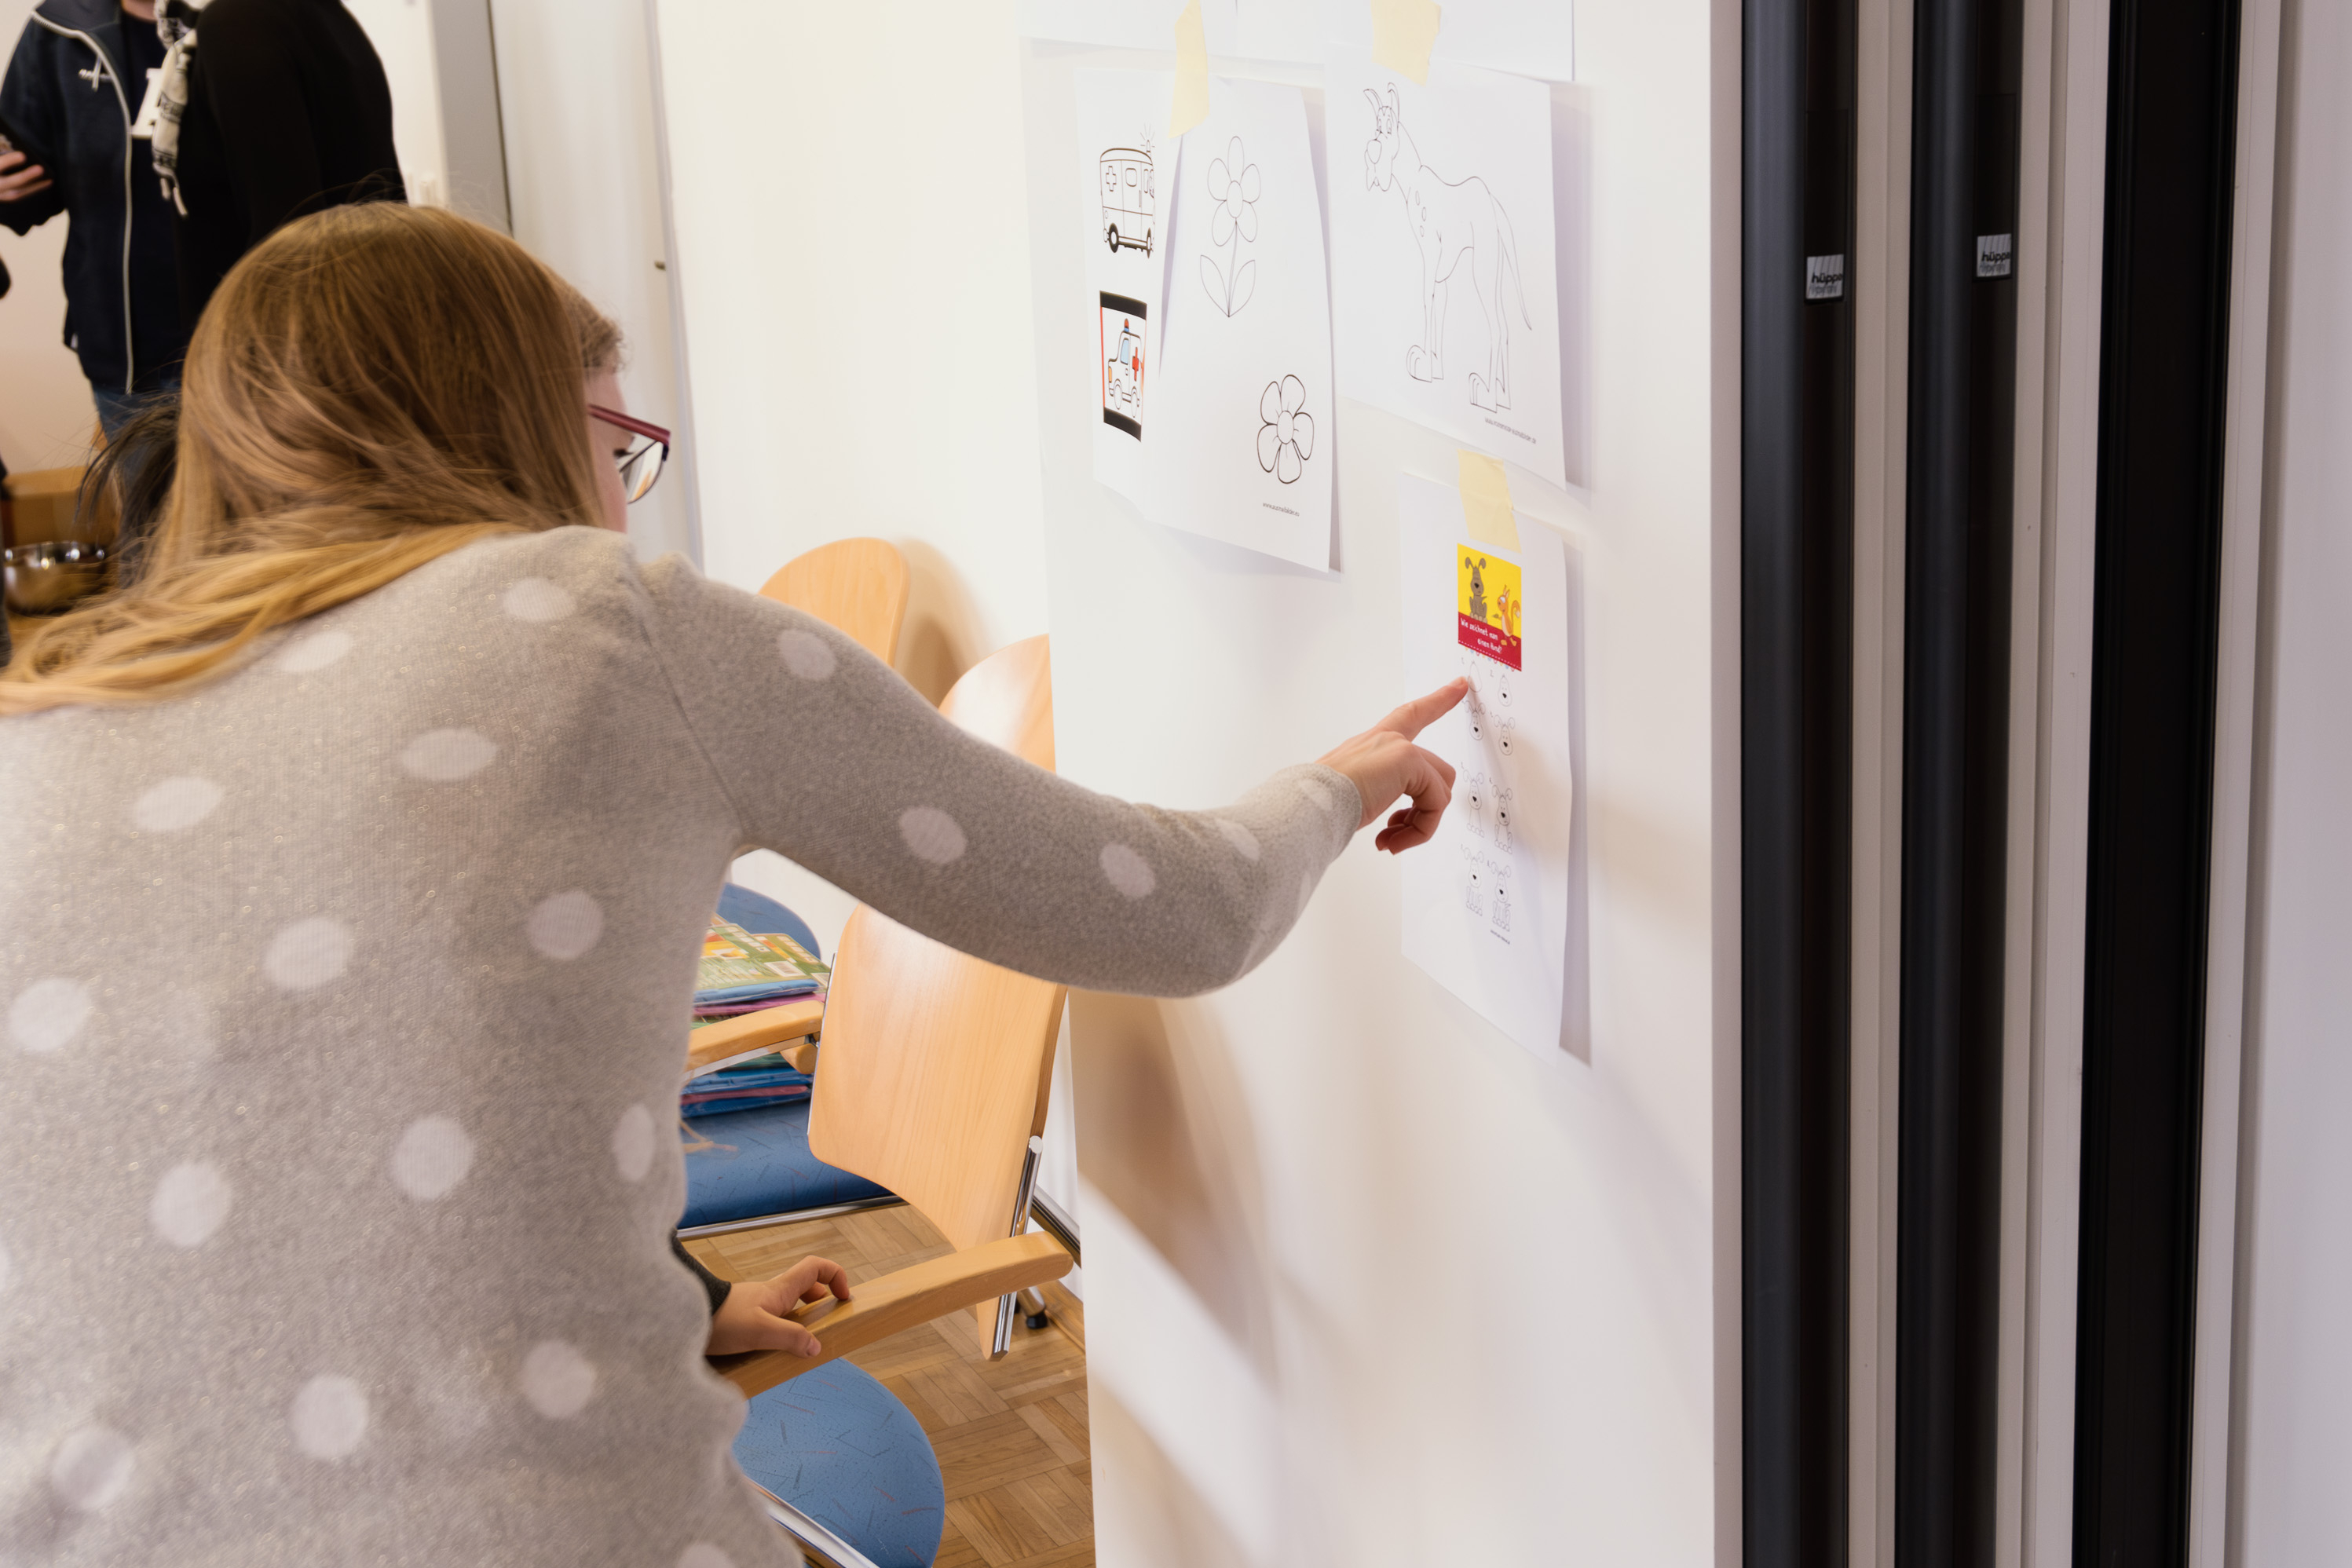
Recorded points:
(1486, 604)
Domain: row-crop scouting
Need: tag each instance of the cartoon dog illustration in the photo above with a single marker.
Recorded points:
(1451, 220)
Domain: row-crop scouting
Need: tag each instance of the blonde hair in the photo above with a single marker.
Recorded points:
(372, 388)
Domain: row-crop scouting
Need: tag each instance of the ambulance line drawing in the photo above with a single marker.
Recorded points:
(1126, 198)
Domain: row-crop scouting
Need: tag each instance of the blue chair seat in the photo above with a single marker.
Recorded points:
(763, 916)
(840, 1448)
(760, 1165)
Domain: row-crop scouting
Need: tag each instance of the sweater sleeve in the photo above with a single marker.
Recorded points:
(28, 97)
(828, 758)
(713, 1285)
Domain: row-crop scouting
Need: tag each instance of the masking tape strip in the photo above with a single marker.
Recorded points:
(1486, 501)
(1404, 31)
(1190, 105)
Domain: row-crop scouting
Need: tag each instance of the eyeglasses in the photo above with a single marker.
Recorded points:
(641, 465)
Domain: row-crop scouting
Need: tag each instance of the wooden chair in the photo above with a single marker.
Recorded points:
(859, 587)
(856, 585)
(938, 1067)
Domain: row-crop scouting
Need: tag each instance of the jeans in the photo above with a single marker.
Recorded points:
(115, 408)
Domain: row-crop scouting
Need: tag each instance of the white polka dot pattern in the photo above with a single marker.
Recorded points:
(1244, 843)
(92, 1467)
(536, 598)
(557, 1379)
(1315, 790)
(445, 755)
(632, 1143)
(329, 1416)
(566, 926)
(806, 655)
(48, 1014)
(174, 804)
(308, 954)
(306, 655)
(702, 1554)
(431, 1158)
(7, 1266)
(1128, 871)
(191, 1202)
(931, 835)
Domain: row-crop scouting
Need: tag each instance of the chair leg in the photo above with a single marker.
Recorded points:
(1035, 1301)
(1007, 1306)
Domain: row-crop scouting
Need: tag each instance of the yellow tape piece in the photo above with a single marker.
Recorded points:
(1486, 501)
(1404, 31)
(1190, 104)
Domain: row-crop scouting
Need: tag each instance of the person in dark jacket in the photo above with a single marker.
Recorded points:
(288, 113)
(74, 87)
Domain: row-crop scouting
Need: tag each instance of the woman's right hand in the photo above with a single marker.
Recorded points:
(1384, 763)
(18, 179)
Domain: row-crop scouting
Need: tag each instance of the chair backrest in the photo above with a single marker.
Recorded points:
(937, 1066)
(1008, 699)
(856, 585)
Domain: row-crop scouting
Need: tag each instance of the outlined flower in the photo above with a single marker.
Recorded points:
(1233, 186)
(1235, 194)
(1286, 440)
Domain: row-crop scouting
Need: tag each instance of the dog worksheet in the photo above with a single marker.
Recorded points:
(1445, 297)
(1486, 902)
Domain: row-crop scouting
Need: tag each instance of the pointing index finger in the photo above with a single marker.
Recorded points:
(1417, 715)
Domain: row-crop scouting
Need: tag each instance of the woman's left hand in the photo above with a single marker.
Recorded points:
(753, 1315)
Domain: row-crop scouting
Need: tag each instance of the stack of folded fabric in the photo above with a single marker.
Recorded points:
(744, 972)
(766, 1079)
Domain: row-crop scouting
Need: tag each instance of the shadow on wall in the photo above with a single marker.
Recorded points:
(1169, 1139)
(939, 641)
(1156, 1516)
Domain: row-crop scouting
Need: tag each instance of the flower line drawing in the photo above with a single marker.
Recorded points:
(1286, 438)
(1234, 186)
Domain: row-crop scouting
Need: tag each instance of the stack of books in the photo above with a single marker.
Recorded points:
(744, 972)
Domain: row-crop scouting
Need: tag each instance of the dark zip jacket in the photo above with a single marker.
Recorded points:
(289, 113)
(70, 87)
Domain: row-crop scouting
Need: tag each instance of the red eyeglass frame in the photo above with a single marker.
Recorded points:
(652, 432)
(634, 426)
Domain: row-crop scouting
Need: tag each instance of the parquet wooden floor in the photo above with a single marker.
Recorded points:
(1011, 1435)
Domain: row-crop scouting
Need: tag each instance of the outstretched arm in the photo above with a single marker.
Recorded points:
(829, 758)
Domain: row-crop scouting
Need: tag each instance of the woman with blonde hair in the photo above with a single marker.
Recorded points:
(357, 860)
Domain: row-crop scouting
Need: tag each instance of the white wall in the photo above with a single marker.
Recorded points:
(46, 415)
(853, 253)
(402, 32)
(855, 309)
(1367, 1283)
(2296, 1358)
(575, 96)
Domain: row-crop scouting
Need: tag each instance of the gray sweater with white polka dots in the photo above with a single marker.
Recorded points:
(346, 1003)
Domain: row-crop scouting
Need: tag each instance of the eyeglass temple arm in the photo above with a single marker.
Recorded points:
(634, 426)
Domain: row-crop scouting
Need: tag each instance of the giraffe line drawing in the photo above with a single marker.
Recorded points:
(1453, 221)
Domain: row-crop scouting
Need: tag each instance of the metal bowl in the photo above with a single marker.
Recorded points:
(51, 578)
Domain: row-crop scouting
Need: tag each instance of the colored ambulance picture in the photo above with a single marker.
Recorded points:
(1123, 375)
